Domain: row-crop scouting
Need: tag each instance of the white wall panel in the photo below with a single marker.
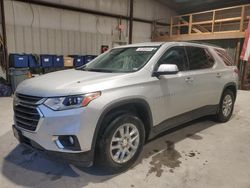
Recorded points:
(75, 3)
(19, 38)
(88, 23)
(10, 38)
(58, 42)
(8, 10)
(88, 43)
(83, 43)
(92, 43)
(71, 42)
(47, 17)
(44, 40)
(65, 42)
(150, 9)
(36, 40)
(77, 43)
(39, 29)
(51, 41)
(27, 39)
(89, 4)
(70, 21)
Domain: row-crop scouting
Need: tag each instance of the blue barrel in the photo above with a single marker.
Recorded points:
(19, 60)
(89, 58)
(58, 61)
(78, 60)
(46, 60)
(33, 61)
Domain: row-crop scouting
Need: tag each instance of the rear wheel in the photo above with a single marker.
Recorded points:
(121, 143)
(226, 106)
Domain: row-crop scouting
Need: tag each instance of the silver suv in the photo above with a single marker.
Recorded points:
(106, 110)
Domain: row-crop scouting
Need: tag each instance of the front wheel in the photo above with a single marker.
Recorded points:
(226, 106)
(121, 143)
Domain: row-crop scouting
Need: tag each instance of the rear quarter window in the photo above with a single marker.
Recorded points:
(225, 57)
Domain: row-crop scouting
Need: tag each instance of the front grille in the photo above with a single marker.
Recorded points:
(25, 111)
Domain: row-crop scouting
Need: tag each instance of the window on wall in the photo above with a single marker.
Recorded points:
(199, 58)
(175, 55)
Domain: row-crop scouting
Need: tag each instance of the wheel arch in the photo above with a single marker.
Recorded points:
(231, 86)
(138, 106)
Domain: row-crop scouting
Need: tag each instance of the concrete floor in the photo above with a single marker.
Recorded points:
(199, 154)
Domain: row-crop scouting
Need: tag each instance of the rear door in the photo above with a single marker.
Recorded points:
(204, 81)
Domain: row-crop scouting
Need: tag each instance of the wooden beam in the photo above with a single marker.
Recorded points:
(171, 26)
(227, 19)
(213, 21)
(242, 18)
(203, 22)
(190, 25)
(237, 54)
(203, 36)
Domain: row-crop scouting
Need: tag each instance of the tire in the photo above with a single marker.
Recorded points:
(223, 116)
(111, 159)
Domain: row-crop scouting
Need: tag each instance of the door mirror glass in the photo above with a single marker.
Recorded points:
(167, 69)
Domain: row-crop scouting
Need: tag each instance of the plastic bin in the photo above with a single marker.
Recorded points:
(78, 60)
(58, 61)
(89, 58)
(33, 61)
(46, 60)
(19, 60)
(17, 75)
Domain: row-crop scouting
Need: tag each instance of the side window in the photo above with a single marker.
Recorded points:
(199, 58)
(175, 55)
(225, 57)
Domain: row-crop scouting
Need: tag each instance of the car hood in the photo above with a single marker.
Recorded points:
(67, 82)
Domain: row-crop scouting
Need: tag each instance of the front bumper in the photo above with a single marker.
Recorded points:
(79, 159)
(80, 122)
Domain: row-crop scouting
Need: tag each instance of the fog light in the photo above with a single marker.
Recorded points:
(69, 142)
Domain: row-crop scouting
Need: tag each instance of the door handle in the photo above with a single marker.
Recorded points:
(189, 79)
(218, 75)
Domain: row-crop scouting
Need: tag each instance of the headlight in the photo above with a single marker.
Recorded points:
(69, 102)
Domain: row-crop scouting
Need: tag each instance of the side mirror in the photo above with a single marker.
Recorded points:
(165, 69)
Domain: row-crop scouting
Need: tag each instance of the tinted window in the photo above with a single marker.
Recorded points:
(176, 56)
(199, 58)
(225, 57)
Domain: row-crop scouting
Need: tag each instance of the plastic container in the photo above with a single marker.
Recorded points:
(17, 75)
(19, 60)
(46, 60)
(58, 61)
(89, 58)
(68, 61)
(78, 60)
(33, 61)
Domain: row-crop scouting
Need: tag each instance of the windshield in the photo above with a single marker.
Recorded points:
(122, 60)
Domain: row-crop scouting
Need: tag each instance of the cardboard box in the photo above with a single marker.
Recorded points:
(68, 61)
